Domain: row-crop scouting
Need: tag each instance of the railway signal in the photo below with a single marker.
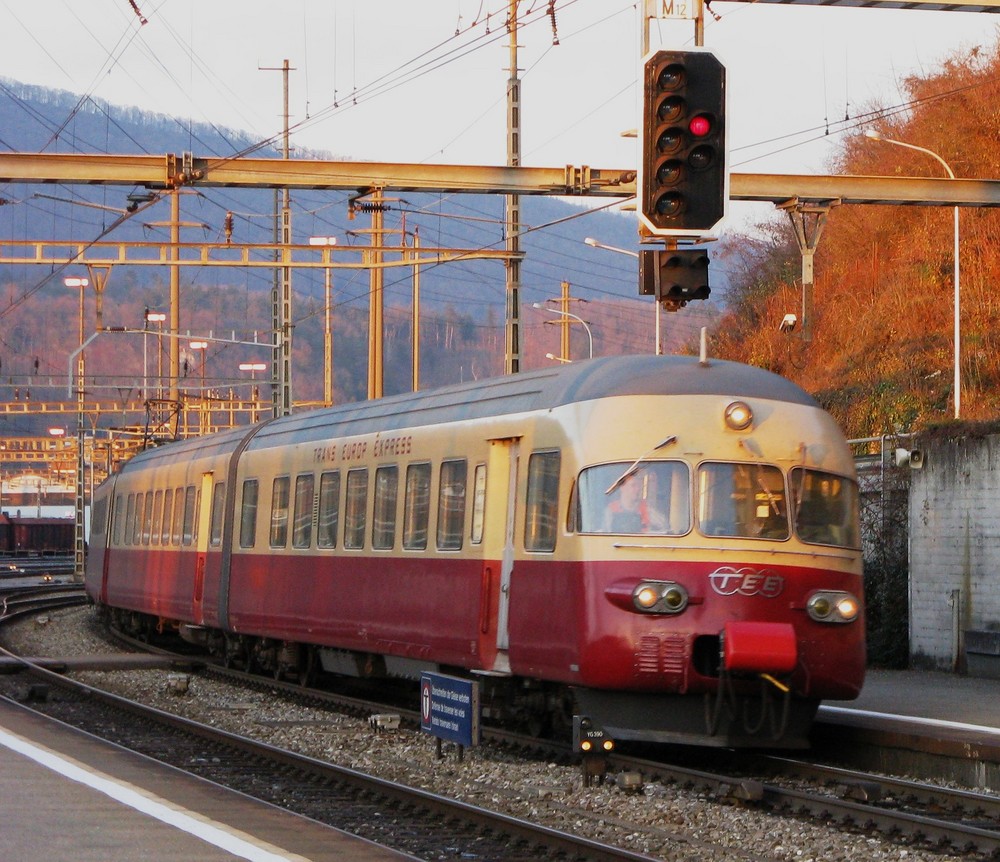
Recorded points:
(674, 277)
(683, 170)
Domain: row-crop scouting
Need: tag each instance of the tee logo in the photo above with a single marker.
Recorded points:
(727, 581)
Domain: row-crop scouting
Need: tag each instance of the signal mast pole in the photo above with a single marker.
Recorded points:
(281, 292)
(512, 318)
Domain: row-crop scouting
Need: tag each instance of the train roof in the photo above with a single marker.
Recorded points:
(568, 383)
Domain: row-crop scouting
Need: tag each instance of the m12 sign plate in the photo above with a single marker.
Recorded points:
(449, 708)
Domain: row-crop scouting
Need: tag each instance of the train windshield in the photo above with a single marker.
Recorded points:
(826, 508)
(654, 498)
(742, 500)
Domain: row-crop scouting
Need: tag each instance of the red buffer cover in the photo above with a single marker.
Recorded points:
(759, 647)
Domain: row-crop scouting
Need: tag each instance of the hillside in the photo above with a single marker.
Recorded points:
(462, 304)
(881, 358)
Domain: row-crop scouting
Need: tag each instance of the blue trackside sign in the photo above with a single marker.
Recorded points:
(449, 708)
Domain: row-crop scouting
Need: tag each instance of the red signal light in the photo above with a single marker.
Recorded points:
(700, 126)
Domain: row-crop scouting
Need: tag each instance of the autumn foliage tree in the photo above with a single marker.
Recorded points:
(881, 356)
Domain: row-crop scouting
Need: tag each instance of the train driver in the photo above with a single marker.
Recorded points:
(634, 510)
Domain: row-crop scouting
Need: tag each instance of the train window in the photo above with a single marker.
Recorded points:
(303, 517)
(116, 530)
(197, 512)
(99, 517)
(743, 500)
(417, 507)
(354, 512)
(129, 520)
(451, 505)
(168, 510)
(384, 515)
(177, 530)
(248, 514)
(136, 528)
(190, 510)
(825, 508)
(154, 537)
(218, 509)
(329, 510)
(478, 504)
(652, 497)
(147, 517)
(542, 509)
(279, 512)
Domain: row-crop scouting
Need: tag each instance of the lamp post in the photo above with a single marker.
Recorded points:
(593, 243)
(559, 311)
(326, 242)
(156, 317)
(253, 368)
(202, 349)
(877, 136)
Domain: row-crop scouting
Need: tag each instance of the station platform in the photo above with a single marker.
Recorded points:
(923, 723)
(66, 795)
(931, 695)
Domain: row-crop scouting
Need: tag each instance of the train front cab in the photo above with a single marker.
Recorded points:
(728, 623)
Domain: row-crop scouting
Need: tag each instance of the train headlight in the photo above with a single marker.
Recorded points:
(739, 416)
(832, 606)
(646, 597)
(660, 597)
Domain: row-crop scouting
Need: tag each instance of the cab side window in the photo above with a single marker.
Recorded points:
(542, 507)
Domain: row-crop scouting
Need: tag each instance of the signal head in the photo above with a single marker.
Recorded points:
(683, 122)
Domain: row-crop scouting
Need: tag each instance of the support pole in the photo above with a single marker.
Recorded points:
(415, 336)
(175, 294)
(808, 221)
(376, 301)
(512, 317)
(281, 294)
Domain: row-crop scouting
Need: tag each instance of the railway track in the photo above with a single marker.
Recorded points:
(22, 601)
(411, 820)
(903, 812)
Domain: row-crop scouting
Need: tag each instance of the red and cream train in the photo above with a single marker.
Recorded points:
(666, 545)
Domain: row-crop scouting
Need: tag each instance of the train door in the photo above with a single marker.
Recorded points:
(204, 516)
(501, 492)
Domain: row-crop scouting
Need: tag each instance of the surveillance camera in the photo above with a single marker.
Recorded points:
(788, 323)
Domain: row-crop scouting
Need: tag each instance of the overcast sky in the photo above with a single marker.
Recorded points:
(403, 80)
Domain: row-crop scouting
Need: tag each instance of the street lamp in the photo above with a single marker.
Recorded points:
(590, 336)
(877, 136)
(593, 243)
(253, 368)
(149, 317)
(326, 242)
(202, 348)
